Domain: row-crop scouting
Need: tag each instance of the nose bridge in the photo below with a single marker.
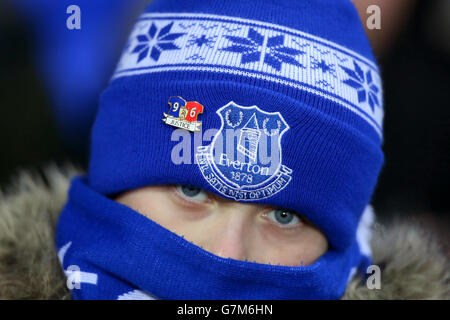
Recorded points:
(230, 241)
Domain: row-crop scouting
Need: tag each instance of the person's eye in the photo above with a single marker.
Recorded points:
(284, 218)
(192, 193)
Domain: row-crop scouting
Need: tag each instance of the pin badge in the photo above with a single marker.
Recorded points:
(183, 114)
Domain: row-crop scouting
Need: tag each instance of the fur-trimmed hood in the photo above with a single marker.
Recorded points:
(412, 263)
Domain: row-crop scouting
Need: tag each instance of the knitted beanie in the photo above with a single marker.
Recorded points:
(301, 73)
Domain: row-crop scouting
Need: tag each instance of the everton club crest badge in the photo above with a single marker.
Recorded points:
(183, 114)
(244, 160)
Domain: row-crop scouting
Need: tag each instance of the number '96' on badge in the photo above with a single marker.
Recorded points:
(183, 114)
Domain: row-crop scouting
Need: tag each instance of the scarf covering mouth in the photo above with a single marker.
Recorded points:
(109, 251)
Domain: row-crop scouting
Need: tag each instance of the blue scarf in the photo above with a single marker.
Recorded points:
(109, 251)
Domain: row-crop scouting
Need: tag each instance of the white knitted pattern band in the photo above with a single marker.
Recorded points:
(199, 42)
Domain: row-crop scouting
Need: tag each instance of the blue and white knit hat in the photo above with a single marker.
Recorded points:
(308, 61)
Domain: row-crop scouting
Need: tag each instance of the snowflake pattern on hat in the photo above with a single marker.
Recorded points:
(212, 43)
(156, 41)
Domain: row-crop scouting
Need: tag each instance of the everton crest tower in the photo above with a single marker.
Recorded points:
(249, 138)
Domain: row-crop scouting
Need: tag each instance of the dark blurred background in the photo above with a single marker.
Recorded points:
(413, 48)
(28, 138)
